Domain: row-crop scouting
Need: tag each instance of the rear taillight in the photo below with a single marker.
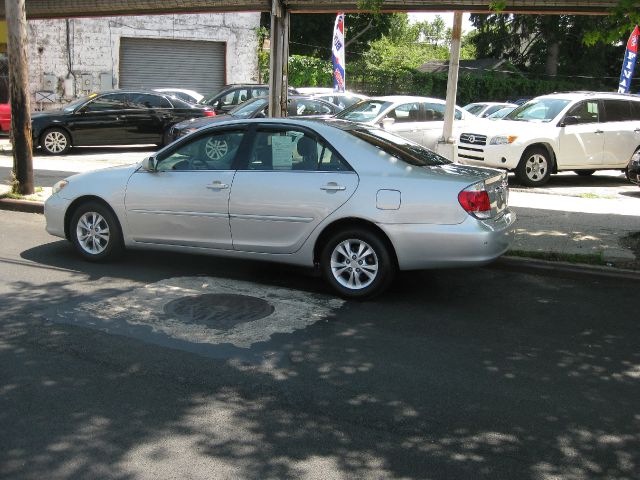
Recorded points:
(475, 201)
(209, 113)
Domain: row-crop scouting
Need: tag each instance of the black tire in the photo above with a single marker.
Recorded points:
(104, 235)
(585, 173)
(55, 141)
(345, 283)
(535, 167)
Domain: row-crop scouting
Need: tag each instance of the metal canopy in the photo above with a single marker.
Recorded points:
(98, 8)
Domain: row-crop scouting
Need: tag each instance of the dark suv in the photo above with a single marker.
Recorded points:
(231, 95)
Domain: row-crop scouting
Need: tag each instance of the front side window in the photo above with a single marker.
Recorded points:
(311, 107)
(474, 108)
(434, 112)
(289, 150)
(585, 112)
(212, 151)
(115, 101)
(409, 112)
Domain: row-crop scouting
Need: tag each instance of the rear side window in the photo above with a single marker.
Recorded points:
(116, 101)
(149, 101)
(617, 110)
(635, 110)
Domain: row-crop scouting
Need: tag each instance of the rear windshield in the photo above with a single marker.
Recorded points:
(398, 147)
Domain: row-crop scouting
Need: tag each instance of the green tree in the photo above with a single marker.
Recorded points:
(549, 44)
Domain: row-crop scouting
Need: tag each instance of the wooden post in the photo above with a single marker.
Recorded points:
(278, 68)
(19, 95)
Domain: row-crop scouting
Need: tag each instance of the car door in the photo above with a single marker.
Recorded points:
(291, 182)
(101, 121)
(186, 200)
(621, 132)
(148, 117)
(408, 122)
(581, 142)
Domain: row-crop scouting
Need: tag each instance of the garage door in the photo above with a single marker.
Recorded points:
(155, 63)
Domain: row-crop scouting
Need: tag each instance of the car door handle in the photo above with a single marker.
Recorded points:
(598, 132)
(637, 130)
(217, 186)
(332, 187)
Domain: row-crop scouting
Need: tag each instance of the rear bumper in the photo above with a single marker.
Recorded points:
(473, 242)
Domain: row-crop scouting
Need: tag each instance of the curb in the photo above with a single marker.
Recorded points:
(563, 269)
(26, 206)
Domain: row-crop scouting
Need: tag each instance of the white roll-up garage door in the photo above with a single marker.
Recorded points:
(156, 63)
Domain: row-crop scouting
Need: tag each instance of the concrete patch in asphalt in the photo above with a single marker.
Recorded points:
(173, 313)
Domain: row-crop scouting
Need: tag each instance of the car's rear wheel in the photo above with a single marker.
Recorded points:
(585, 173)
(534, 168)
(357, 263)
(95, 232)
(55, 141)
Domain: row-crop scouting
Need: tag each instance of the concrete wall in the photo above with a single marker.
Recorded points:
(94, 46)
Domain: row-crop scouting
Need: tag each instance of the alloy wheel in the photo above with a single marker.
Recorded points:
(216, 149)
(92, 232)
(55, 142)
(354, 264)
(536, 167)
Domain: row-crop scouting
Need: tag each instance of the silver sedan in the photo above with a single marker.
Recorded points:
(356, 201)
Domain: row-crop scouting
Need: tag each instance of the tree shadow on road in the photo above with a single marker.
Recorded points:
(444, 377)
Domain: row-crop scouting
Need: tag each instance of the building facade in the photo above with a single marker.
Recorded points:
(69, 58)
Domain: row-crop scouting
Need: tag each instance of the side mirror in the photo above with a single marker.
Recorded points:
(387, 122)
(570, 120)
(149, 164)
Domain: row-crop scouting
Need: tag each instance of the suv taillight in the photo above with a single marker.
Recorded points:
(209, 113)
(475, 201)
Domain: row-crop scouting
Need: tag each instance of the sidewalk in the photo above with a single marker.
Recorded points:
(597, 223)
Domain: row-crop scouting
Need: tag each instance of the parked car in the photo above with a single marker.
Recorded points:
(580, 131)
(420, 119)
(121, 117)
(341, 100)
(5, 117)
(190, 96)
(355, 200)
(633, 169)
(232, 95)
(298, 106)
(485, 109)
(503, 112)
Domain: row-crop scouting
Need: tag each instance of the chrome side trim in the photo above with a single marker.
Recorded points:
(187, 214)
(273, 218)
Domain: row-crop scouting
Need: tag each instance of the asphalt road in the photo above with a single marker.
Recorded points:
(464, 374)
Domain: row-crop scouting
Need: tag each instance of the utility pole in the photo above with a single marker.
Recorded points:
(19, 95)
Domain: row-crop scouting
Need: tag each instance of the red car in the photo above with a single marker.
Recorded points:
(5, 116)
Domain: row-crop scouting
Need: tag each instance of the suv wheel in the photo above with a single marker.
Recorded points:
(357, 263)
(534, 168)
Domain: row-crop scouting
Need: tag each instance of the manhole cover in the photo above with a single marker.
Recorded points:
(218, 310)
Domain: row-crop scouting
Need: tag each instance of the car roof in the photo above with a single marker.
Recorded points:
(589, 94)
(407, 98)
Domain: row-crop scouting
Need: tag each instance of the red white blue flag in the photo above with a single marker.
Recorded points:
(629, 62)
(337, 51)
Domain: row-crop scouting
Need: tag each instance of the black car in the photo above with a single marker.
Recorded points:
(112, 118)
(297, 106)
(633, 169)
(230, 96)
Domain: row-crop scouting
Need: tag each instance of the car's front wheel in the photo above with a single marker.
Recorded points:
(357, 263)
(95, 232)
(534, 168)
(55, 141)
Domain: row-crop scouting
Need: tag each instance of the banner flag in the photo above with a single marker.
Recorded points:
(629, 62)
(337, 50)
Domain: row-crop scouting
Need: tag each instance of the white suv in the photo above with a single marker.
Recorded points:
(581, 131)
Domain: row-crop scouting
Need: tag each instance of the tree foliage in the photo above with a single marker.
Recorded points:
(550, 44)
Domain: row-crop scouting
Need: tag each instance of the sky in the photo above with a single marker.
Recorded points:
(446, 16)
